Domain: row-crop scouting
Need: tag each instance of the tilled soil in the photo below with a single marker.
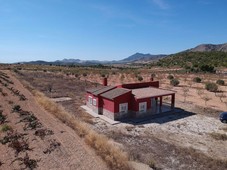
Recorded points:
(36, 139)
(178, 141)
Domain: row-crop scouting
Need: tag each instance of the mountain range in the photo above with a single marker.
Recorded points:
(135, 58)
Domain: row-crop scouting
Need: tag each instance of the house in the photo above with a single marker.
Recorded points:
(130, 100)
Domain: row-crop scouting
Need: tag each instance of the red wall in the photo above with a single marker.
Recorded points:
(137, 101)
(93, 97)
(140, 85)
(108, 104)
(113, 105)
(125, 98)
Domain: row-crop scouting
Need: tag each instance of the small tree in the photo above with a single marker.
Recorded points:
(170, 77)
(185, 93)
(221, 95)
(212, 87)
(140, 78)
(200, 92)
(220, 82)
(153, 76)
(197, 79)
(206, 98)
(174, 82)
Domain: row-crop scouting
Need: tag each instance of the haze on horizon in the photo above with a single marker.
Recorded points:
(106, 30)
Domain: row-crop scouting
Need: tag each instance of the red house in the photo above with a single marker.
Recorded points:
(130, 100)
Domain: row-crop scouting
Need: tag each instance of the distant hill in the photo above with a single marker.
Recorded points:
(209, 48)
(138, 57)
(195, 59)
(212, 54)
(142, 57)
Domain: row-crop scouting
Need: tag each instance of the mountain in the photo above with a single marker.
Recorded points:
(138, 57)
(142, 57)
(217, 55)
(209, 48)
(200, 56)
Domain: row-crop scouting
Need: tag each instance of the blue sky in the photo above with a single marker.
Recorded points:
(106, 29)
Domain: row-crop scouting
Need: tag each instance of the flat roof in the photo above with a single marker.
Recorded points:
(150, 92)
(115, 93)
(99, 90)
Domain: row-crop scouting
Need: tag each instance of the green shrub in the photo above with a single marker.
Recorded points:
(220, 82)
(5, 128)
(153, 75)
(2, 117)
(212, 87)
(174, 82)
(140, 78)
(16, 108)
(170, 77)
(151, 164)
(197, 79)
(103, 75)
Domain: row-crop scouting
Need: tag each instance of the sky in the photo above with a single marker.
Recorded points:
(106, 29)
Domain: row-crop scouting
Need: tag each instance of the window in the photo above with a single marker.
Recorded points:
(123, 107)
(90, 99)
(143, 107)
(94, 102)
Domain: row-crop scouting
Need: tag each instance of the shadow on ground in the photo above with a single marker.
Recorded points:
(160, 118)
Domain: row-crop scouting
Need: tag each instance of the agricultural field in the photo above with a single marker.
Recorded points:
(31, 138)
(192, 137)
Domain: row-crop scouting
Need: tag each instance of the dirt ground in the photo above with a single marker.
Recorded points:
(36, 139)
(180, 140)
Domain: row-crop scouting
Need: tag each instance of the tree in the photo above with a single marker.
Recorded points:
(197, 79)
(185, 93)
(206, 98)
(174, 82)
(200, 92)
(140, 78)
(212, 87)
(220, 82)
(170, 77)
(221, 95)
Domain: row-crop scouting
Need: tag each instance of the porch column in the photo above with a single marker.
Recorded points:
(160, 104)
(172, 101)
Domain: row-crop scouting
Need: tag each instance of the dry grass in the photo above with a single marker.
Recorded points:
(205, 161)
(225, 129)
(219, 136)
(114, 156)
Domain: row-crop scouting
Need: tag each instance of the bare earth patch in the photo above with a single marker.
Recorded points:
(45, 142)
(181, 140)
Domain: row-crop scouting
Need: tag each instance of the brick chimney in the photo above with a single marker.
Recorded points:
(104, 83)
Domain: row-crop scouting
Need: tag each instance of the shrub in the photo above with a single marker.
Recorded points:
(212, 87)
(140, 78)
(170, 77)
(2, 117)
(5, 128)
(16, 108)
(151, 164)
(220, 82)
(197, 79)
(153, 75)
(174, 82)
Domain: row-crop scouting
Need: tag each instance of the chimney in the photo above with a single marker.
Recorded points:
(104, 83)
